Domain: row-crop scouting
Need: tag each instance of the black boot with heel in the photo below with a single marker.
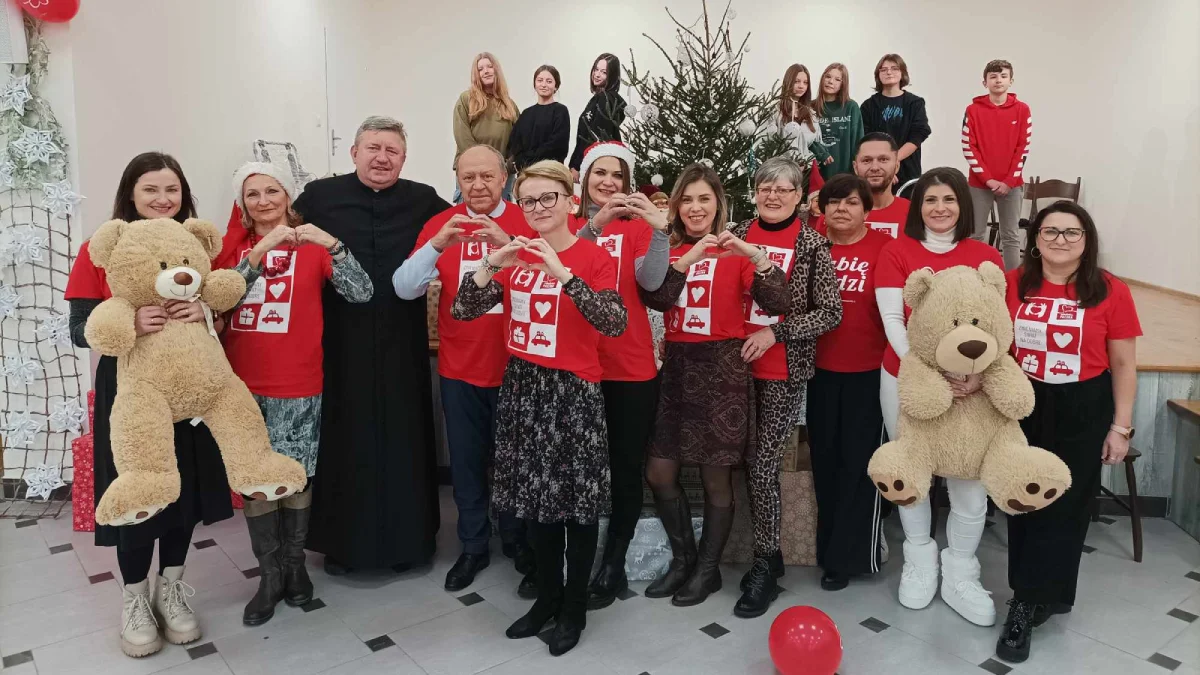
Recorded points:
(706, 577)
(676, 517)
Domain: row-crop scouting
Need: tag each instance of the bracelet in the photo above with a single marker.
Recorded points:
(491, 269)
(337, 249)
(758, 257)
(592, 226)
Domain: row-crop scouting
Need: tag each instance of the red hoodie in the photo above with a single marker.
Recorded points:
(995, 140)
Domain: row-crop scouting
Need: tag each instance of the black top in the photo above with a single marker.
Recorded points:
(541, 132)
(376, 502)
(601, 121)
(903, 117)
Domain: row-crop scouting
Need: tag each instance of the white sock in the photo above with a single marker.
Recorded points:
(916, 522)
(968, 512)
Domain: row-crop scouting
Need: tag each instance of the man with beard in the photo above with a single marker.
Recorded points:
(376, 502)
(876, 160)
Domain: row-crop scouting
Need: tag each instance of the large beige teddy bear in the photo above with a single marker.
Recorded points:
(960, 325)
(179, 373)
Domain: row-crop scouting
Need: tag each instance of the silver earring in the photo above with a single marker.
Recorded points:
(1036, 252)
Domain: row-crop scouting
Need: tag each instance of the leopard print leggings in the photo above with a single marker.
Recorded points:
(779, 406)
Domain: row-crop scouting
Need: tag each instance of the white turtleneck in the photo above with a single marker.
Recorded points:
(891, 300)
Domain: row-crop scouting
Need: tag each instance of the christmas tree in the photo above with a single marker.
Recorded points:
(705, 111)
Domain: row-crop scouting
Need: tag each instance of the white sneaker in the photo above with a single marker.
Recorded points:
(179, 623)
(963, 592)
(919, 578)
(139, 630)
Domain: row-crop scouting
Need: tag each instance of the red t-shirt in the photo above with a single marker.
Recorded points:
(470, 351)
(87, 282)
(889, 220)
(544, 326)
(1057, 341)
(711, 306)
(273, 339)
(905, 255)
(781, 250)
(629, 357)
(857, 344)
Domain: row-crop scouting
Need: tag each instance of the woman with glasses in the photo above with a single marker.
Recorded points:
(551, 468)
(633, 232)
(706, 410)
(1076, 333)
(898, 113)
(779, 348)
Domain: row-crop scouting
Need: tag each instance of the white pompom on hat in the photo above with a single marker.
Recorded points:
(264, 168)
(606, 149)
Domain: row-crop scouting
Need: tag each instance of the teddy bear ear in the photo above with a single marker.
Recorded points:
(917, 286)
(207, 233)
(993, 276)
(103, 241)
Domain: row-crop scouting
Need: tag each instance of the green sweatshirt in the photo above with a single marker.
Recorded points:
(841, 127)
(488, 129)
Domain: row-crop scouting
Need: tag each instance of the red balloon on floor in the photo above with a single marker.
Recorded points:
(54, 11)
(805, 641)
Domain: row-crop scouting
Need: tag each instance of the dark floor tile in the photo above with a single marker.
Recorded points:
(626, 594)
(995, 667)
(313, 606)
(470, 599)
(17, 659)
(381, 642)
(252, 573)
(1194, 576)
(874, 624)
(200, 651)
(103, 576)
(714, 630)
(61, 549)
(1163, 661)
(203, 544)
(26, 523)
(1088, 549)
(1182, 615)
(1106, 520)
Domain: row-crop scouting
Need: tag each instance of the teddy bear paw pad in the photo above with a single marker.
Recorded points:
(897, 491)
(1038, 496)
(268, 493)
(138, 516)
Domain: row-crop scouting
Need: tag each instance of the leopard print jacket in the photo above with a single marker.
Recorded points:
(808, 318)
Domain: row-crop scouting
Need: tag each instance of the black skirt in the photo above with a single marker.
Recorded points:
(203, 488)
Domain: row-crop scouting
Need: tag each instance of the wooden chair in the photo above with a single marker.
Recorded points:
(993, 224)
(1131, 506)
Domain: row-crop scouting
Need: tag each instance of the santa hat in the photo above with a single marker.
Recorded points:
(606, 149)
(266, 169)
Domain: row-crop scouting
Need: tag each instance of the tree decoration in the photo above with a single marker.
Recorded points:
(25, 244)
(21, 368)
(60, 199)
(20, 429)
(9, 298)
(36, 145)
(68, 416)
(43, 480)
(15, 95)
(55, 328)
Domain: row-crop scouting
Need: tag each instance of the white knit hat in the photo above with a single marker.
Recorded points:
(267, 169)
(607, 149)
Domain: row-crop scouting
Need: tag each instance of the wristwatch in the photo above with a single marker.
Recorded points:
(338, 247)
(1127, 432)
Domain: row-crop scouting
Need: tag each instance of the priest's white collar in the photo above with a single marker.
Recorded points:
(496, 212)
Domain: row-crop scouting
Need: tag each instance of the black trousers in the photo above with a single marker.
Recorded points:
(550, 541)
(629, 409)
(1044, 547)
(845, 425)
(172, 552)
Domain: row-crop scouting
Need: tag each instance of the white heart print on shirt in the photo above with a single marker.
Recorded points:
(542, 308)
(277, 288)
(1062, 339)
(697, 293)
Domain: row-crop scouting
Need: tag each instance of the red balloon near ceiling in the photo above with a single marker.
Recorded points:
(54, 11)
(805, 641)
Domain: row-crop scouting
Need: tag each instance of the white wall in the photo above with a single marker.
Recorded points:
(1110, 82)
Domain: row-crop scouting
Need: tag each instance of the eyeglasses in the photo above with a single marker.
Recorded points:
(778, 192)
(1069, 235)
(889, 69)
(546, 199)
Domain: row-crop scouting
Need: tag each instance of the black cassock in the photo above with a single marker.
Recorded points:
(375, 500)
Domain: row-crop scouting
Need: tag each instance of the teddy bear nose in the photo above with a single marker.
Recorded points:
(972, 349)
(184, 279)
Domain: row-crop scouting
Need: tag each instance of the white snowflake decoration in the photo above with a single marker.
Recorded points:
(15, 95)
(43, 479)
(20, 429)
(35, 145)
(57, 329)
(67, 415)
(24, 245)
(21, 368)
(9, 298)
(6, 173)
(60, 199)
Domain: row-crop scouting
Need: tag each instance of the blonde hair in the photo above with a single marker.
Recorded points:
(843, 94)
(548, 169)
(478, 100)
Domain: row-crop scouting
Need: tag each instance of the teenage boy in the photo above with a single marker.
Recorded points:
(995, 140)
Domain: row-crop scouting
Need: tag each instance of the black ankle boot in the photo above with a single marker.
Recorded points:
(297, 587)
(775, 566)
(264, 541)
(757, 595)
(1017, 634)
(535, 619)
(706, 578)
(676, 517)
(566, 633)
(609, 580)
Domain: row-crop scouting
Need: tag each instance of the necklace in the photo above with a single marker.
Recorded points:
(280, 265)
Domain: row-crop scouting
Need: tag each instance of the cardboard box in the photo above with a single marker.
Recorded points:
(798, 531)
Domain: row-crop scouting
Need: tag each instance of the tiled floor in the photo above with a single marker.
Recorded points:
(60, 608)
